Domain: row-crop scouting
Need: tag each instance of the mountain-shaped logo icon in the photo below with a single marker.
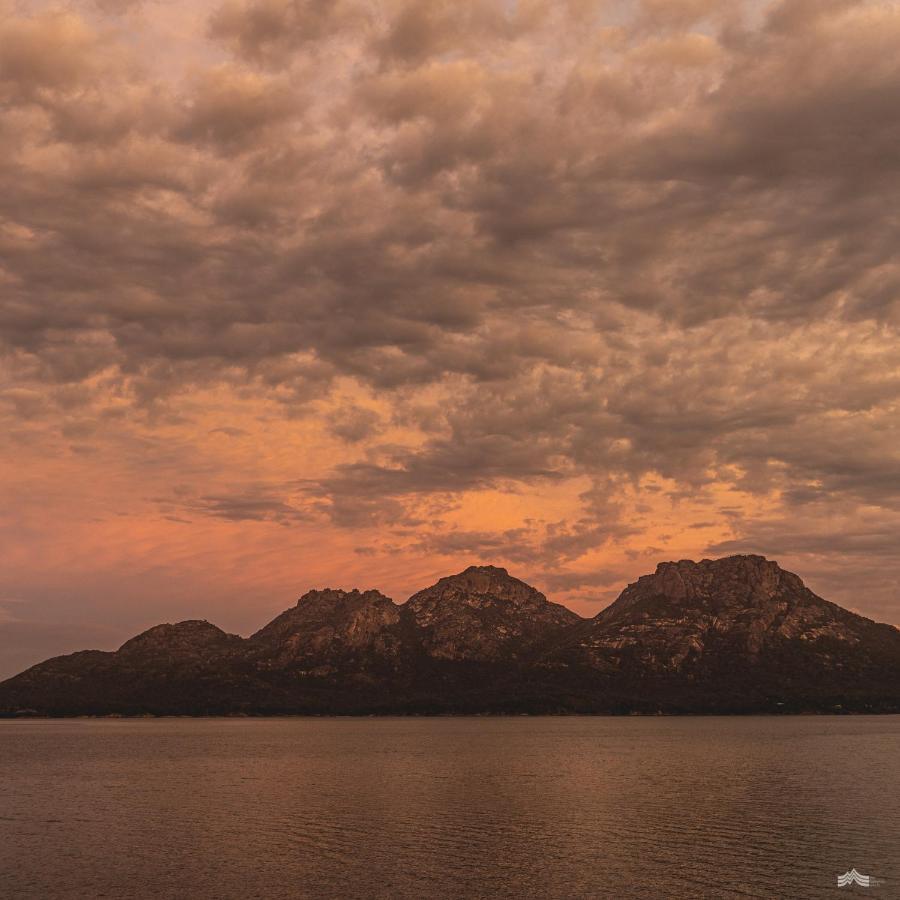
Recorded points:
(854, 877)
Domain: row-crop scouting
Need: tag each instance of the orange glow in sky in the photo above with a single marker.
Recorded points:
(299, 294)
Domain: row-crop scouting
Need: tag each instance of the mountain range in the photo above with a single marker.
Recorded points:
(733, 635)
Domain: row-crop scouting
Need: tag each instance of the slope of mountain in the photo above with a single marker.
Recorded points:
(732, 635)
(332, 631)
(180, 669)
(484, 614)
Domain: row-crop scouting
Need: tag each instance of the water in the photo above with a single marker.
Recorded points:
(448, 808)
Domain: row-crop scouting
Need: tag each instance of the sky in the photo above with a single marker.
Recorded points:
(357, 293)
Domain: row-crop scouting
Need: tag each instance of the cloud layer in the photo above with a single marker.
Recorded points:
(294, 291)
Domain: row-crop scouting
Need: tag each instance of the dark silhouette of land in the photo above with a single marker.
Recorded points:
(734, 635)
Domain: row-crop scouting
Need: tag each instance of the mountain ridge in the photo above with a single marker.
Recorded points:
(738, 634)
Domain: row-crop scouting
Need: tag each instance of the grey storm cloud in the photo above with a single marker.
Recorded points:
(556, 240)
(247, 506)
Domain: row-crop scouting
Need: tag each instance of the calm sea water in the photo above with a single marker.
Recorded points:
(453, 807)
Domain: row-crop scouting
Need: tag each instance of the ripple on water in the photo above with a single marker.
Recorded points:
(544, 808)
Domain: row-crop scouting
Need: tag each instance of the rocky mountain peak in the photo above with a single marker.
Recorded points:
(190, 635)
(490, 571)
(328, 622)
(338, 596)
(687, 613)
(484, 613)
(475, 583)
(744, 580)
(733, 634)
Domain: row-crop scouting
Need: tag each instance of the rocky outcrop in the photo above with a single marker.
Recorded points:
(331, 631)
(485, 614)
(684, 612)
(193, 638)
(738, 634)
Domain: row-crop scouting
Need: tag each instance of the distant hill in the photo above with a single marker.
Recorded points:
(734, 635)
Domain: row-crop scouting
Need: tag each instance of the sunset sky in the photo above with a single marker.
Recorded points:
(348, 293)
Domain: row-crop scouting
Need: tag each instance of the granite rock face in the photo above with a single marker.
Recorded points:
(193, 638)
(734, 631)
(732, 635)
(330, 631)
(485, 614)
(682, 612)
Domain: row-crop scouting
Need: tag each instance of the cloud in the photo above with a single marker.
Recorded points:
(230, 108)
(566, 581)
(541, 547)
(626, 273)
(252, 504)
(51, 51)
(269, 31)
(353, 423)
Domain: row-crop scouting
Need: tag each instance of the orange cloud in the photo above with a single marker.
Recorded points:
(300, 294)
